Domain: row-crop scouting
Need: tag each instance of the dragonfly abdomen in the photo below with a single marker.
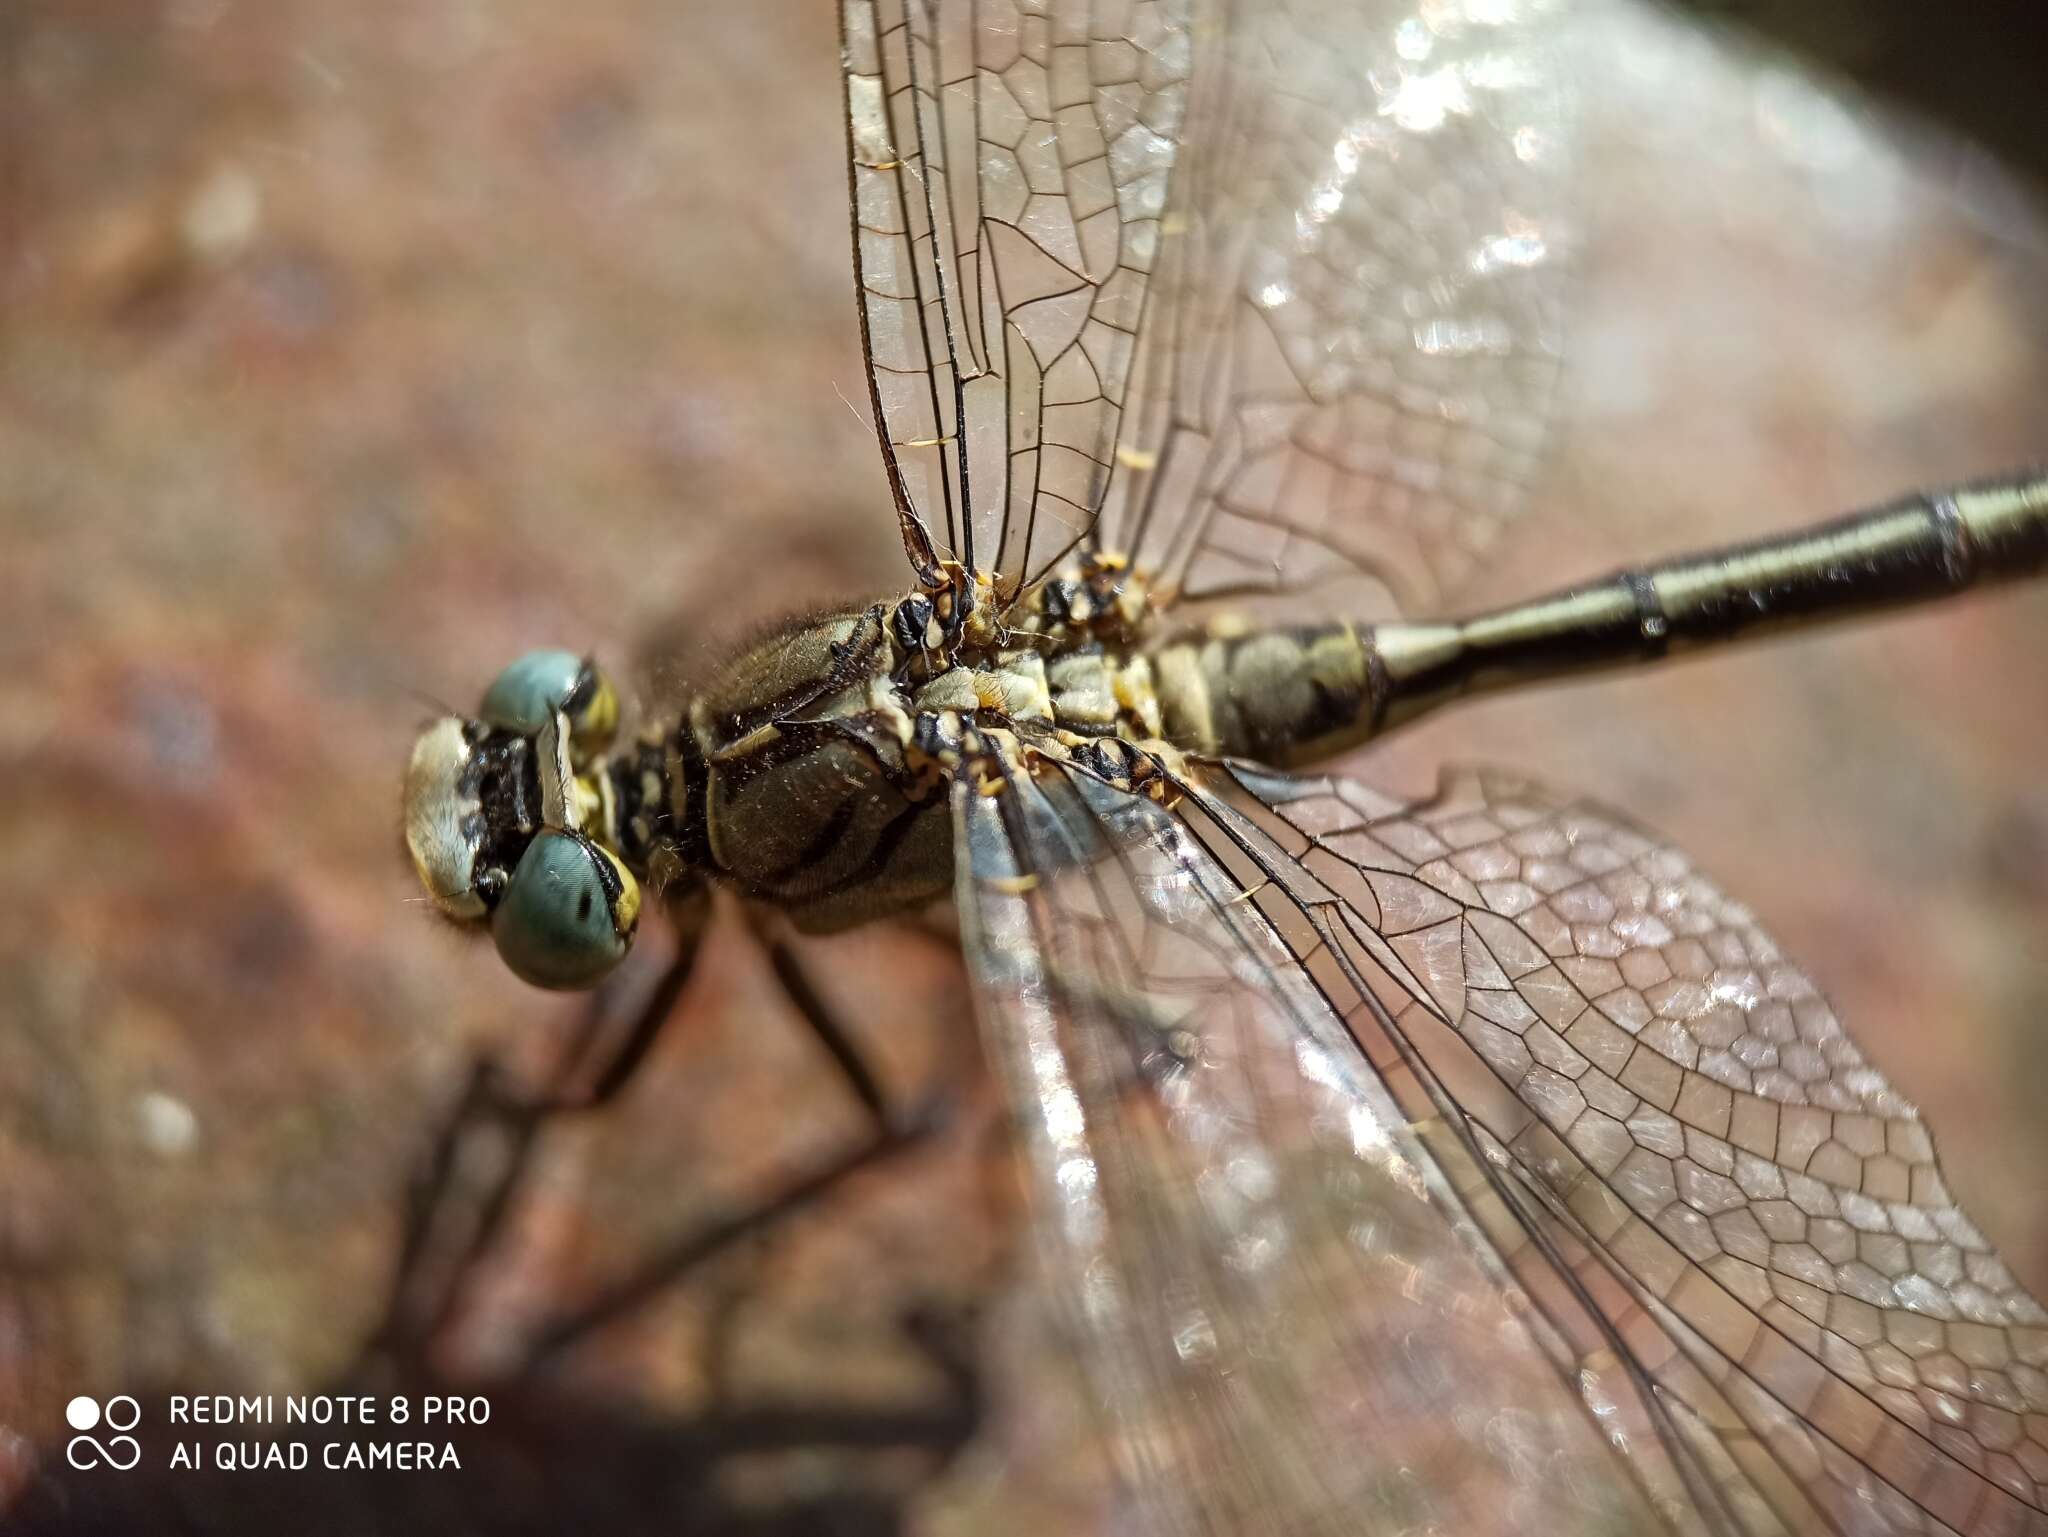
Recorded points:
(1908, 551)
(1287, 695)
(1281, 695)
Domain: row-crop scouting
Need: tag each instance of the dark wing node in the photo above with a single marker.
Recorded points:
(1753, 1213)
(1009, 168)
(1283, 1305)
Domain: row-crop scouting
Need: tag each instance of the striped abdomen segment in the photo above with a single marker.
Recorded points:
(1281, 695)
(1287, 695)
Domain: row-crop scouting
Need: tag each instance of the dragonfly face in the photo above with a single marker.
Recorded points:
(496, 808)
(1201, 347)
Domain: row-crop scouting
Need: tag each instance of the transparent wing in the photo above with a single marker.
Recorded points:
(1347, 369)
(1009, 166)
(1280, 1300)
(1345, 214)
(1755, 1212)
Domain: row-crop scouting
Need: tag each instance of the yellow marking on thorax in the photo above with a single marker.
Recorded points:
(597, 802)
(1137, 696)
(752, 742)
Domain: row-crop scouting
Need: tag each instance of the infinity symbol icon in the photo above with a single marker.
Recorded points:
(83, 1451)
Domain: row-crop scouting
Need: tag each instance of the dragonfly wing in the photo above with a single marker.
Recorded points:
(1754, 1214)
(1278, 1297)
(1347, 370)
(1313, 245)
(1009, 167)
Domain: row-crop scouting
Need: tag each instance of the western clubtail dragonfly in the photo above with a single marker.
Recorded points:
(1205, 345)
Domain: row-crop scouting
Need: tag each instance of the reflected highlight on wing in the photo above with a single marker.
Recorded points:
(1265, 296)
(1755, 1213)
(1280, 1302)
(1346, 374)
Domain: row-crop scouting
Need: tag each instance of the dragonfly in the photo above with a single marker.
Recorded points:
(1455, 1164)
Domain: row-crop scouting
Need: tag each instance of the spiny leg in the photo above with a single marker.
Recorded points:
(934, 932)
(892, 1132)
(454, 1210)
(853, 1068)
(698, 1247)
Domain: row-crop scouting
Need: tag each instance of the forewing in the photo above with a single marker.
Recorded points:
(1348, 364)
(1755, 1214)
(1009, 165)
(1289, 1320)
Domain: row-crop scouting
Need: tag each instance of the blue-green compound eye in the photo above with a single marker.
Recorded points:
(568, 915)
(526, 694)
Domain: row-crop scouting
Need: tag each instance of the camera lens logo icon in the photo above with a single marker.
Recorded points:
(119, 1451)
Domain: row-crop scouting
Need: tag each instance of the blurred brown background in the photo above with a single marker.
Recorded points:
(1970, 65)
(348, 349)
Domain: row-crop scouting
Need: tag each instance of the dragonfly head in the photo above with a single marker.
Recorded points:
(496, 811)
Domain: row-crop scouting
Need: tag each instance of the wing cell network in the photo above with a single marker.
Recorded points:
(1264, 296)
(1347, 373)
(1279, 1297)
(1376, 1143)
(1010, 164)
(1755, 1212)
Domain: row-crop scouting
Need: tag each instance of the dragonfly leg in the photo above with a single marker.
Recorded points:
(464, 1189)
(861, 1079)
(840, 1043)
(893, 1130)
(467, 1186)
(720, 1234)
(600, 1060)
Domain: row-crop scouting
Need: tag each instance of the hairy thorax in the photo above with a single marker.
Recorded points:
(814, 771)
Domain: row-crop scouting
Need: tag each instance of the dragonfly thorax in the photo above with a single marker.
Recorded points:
(815, 771)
